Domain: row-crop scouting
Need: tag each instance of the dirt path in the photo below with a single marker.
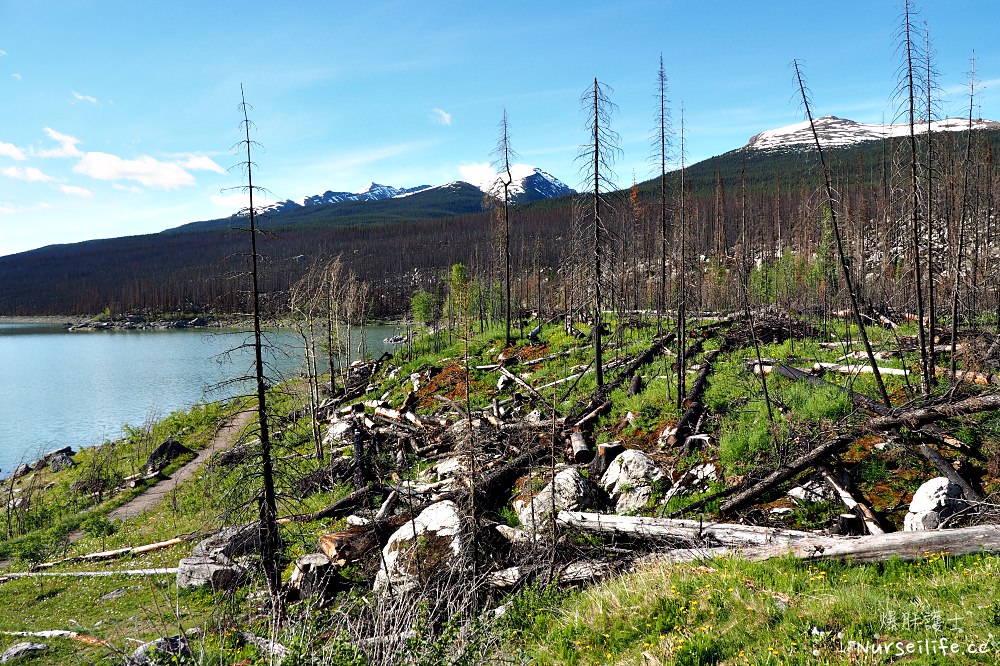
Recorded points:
(224, 438)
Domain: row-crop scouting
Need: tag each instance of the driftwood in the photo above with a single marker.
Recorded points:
(912, 419)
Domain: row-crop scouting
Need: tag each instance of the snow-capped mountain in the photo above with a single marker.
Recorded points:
(373, 192)
(528, 183)
(834, 131)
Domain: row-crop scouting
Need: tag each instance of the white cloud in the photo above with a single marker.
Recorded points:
(201, 163)
(12, 151)
(235, 201)
(126, 188)
(67, 145)
(145, 170)
(440, 116)
(85, 98)
(479, 174)
(30, 174)
(74, 191)
(2, 53)
(16, 77)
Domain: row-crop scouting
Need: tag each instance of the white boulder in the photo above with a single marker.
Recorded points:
(629, 480)
(933, 502)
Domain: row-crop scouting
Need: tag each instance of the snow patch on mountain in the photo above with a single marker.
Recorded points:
(834, 132)
(526, 182)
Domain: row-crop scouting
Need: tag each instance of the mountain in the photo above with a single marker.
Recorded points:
(373, 192)
(527, 183)
(407, 240)
(840, 132)
(382, 204)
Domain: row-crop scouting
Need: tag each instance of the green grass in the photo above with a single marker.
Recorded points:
(778, 612)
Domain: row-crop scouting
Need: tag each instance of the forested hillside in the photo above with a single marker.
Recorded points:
(762, 202)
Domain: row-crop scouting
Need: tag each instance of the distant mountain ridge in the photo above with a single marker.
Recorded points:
(839, 132)
(528, 183)
(374, 192)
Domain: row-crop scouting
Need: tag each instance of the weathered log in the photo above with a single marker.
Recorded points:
(691, 531)
(340, 508)
(857, 369)
(116, 553)
(581, 452)
(523, 384)
(600, 409)
(876, 548)
(863, 510)
(969, 377)
(861, 400)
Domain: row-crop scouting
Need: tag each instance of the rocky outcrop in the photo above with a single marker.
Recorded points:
(934, 501)
(164, 453)
(568, 491)
(216, 573)
(629, 480)
(230, 542)
(173, 647)
(424, 545)
(211, 563)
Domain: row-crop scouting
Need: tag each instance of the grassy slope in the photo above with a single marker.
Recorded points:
(725, 611)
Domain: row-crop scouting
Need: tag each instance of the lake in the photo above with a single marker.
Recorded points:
(62, 388)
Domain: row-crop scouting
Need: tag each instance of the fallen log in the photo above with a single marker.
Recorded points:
(340, 508)
(861, 400)
(642, 359)
(857, 369)
(862, 510)
(689, 531)
(969, 377)
(876, 548)
(166, 571)
(520, 382)
(912, 419)
(113, 554)
(61, 633)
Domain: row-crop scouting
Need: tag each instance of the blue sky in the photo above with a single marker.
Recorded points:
(117, 118)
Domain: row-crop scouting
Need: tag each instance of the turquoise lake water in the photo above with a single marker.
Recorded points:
(60, 388)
